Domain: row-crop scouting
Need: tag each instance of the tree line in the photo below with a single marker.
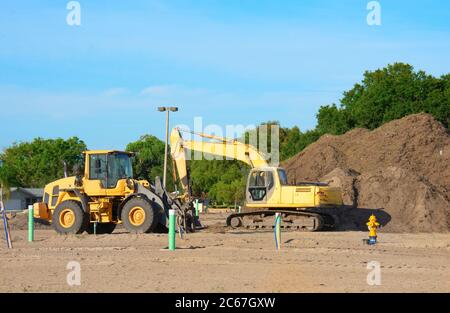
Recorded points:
(383, 95)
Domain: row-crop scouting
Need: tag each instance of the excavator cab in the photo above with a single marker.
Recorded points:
(260, 184)
(263, 182)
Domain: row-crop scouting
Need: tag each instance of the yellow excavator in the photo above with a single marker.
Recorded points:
(105, 194)
(308, 206)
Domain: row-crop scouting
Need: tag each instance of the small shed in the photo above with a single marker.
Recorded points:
(20, 198)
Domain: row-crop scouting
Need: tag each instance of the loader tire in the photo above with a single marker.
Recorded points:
(139, 216)
(102, 228)
(69, 218)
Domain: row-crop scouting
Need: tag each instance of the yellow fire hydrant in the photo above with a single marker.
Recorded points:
(372, 224)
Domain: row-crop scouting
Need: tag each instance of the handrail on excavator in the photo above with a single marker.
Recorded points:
(223, 139)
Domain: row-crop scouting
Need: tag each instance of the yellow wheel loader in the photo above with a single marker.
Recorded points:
(105, 194)
(309, 206)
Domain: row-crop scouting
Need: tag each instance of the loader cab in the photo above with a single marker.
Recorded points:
(106, 168)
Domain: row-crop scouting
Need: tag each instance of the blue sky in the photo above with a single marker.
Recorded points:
(230, 62)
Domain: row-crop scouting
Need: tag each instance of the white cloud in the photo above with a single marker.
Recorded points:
(160, 90)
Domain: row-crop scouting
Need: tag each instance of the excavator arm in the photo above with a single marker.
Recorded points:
(219, 146)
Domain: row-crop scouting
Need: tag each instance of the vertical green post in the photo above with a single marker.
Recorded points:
(171, 229)
(30, 224)
(196, 207)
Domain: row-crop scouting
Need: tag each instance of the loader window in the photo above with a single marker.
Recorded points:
(46, 198)
(97, 167)
(55, 195)
(119, 167)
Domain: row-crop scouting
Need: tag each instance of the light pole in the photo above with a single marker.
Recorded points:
(167, 110)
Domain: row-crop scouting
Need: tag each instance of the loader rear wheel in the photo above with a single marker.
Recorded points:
(69, 218)
(138, 216)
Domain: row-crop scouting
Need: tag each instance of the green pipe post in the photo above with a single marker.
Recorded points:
(196, 207)
(171, 229)
(278, 230)
(30, 224)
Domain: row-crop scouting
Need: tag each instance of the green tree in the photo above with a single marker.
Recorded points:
(229, 193)
(222, 180)
(149, 160)
(333, 120)
(4, 185)
(295, 141)
(36, 163)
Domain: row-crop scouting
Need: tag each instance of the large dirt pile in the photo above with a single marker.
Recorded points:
(401, 167)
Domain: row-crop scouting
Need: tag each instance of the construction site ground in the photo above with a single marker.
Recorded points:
(218, 259)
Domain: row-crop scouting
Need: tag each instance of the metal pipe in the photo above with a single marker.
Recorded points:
(166, 149)
(6, 228)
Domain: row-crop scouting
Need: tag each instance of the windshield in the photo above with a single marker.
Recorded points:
(119, 167)
(259, 179)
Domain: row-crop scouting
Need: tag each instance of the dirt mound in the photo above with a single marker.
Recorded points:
(19, 221)
(413, 203)
(401, 167)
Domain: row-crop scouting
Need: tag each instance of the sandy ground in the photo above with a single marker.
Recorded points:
(218, 260)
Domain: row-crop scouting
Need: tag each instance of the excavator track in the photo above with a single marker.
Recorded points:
(292, 220)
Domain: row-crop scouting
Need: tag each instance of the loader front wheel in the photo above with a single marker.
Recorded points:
(69, 218)
(138, 216)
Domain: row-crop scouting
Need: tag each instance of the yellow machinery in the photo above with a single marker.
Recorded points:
(105, 194)
(304, 206)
